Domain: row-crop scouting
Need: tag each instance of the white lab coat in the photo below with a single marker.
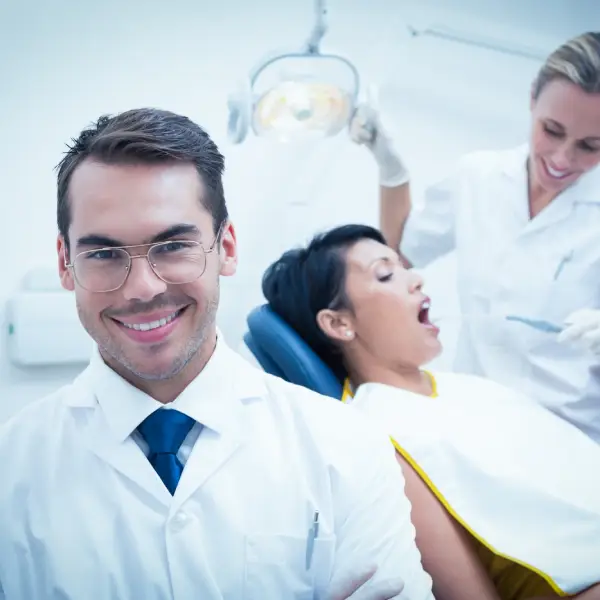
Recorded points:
(543, 268)
(520, 479)
(84, 515)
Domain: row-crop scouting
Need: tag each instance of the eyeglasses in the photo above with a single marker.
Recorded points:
(106, 269)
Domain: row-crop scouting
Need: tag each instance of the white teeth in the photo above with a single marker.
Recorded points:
(555, 173)
(424, 312)
(152, 324)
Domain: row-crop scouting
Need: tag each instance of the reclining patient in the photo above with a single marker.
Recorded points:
(505, 495)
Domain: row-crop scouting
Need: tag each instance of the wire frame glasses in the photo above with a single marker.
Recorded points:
(106, 269)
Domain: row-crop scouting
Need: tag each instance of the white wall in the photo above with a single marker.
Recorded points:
(65, 62)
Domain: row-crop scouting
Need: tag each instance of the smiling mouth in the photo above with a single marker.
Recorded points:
(149, 326)
(152, 328)
(555, 173)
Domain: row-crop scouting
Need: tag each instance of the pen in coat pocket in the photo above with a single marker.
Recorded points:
(562, 264)
(312, 536)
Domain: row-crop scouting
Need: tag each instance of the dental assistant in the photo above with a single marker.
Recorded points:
(524, 224)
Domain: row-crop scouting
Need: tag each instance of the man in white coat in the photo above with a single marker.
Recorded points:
(171, 468)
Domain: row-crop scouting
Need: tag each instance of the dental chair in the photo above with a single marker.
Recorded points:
(282, 352)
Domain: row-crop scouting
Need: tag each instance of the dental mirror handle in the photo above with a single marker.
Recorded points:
(539, 324)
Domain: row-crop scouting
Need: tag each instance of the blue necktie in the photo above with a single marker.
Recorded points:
(164, 431)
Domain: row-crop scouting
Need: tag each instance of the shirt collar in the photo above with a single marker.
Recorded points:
(514, 161)
(586, 189)
(210, 399)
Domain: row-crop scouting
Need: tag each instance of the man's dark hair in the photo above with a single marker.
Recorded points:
(307, 280)
(145, 136)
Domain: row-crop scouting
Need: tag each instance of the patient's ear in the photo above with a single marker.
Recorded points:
(335, 324)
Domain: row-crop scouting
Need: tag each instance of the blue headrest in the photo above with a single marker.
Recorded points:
(282, 352)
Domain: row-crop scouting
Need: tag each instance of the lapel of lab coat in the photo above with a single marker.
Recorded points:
(215, 399)
(585, 190)
(119, 451)
(219, 403)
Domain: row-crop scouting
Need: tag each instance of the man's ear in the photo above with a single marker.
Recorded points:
(65, 273)
(336, 325)
(228, 250)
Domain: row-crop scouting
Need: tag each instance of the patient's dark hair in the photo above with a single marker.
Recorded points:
(307, 280)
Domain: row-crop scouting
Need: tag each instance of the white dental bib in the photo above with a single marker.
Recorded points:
(521, 480)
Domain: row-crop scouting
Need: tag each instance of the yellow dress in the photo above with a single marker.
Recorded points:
(512, 580)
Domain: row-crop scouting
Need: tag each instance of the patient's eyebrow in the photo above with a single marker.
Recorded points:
(95, 239)
(386, 259)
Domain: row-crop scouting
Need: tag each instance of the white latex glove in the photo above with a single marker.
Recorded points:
(366, 130)
(357, 588)
(583, 327)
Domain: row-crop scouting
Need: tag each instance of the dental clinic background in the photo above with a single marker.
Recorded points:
(63, 63)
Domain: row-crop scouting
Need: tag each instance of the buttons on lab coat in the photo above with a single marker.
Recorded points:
(180, 520)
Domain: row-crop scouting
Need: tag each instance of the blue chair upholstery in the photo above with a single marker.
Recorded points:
(282, 352)
(262, 357)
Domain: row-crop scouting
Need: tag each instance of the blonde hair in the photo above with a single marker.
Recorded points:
(576, 61)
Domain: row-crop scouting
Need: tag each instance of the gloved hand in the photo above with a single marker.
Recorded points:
(583, 327)
(366, 129)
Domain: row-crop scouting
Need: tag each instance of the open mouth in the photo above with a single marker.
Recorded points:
(423, 316)
(424, 312)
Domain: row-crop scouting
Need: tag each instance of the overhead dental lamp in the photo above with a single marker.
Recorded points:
(297, 96)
